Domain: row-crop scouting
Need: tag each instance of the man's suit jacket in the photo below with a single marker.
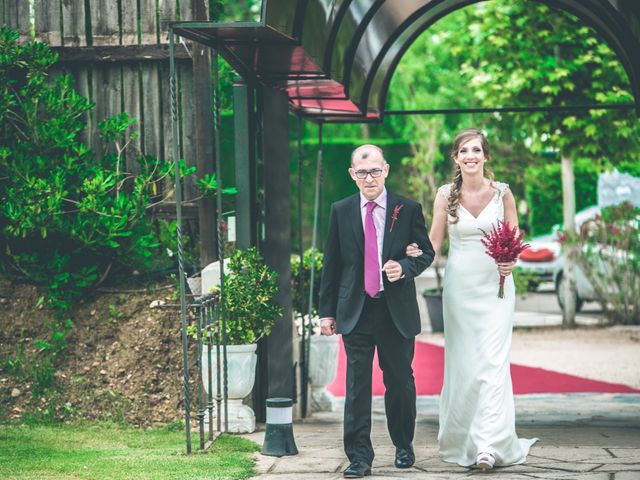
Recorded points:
(342, 292)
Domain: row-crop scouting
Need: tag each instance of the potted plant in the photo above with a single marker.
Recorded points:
(250, 311)
(433, 298)
(322, 358)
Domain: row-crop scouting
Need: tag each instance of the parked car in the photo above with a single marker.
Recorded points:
(541, 258)
(544, 256)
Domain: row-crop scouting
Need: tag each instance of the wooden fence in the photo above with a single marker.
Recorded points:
(118, 54)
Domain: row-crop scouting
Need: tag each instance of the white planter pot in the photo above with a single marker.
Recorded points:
(241, 364)
(323, 365)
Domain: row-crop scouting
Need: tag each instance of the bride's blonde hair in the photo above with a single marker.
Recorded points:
(454, 195)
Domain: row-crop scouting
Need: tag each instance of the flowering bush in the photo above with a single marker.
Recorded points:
(610, 257)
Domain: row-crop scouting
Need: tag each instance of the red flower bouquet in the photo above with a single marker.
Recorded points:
(503, 244)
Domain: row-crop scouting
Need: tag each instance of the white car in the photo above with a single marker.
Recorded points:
(544, 256)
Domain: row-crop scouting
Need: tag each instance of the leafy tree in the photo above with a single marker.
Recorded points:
(526, 53)
(431, 76)
(428, 77)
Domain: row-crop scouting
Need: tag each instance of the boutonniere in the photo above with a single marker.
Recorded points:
(394, 215)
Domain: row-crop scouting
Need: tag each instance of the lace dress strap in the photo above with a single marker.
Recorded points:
(445, 190)
(502, 189)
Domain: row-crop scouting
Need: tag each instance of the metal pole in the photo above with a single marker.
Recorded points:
(314, 236)
(208, 311)
(181, 279)
(199, 322)
(303, 350)
(549, 108)
(218, 372)
(216, 137)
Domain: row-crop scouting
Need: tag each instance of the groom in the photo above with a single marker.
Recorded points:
(368, 295)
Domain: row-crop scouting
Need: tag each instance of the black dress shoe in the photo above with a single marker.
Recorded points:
(405, 458)
(357, 470)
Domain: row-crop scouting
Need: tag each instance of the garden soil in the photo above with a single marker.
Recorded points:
(123, 361)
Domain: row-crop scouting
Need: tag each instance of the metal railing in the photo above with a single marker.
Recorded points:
(211, 377)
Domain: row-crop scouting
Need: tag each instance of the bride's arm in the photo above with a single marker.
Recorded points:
(510, 212)
(439, 222)
(510, 217)
(438, 228)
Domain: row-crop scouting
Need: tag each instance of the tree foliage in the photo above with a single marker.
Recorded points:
(503, 53)
(527, 53)
(427, 77)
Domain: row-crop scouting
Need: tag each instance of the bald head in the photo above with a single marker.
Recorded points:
(369, 170)
(364, 152)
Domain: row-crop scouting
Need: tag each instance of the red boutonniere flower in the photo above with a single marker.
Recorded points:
(503, 245)
(394, 215)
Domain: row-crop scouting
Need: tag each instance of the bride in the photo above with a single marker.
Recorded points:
(477, 415)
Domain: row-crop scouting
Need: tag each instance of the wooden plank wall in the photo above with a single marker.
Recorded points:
(139, 87)
(15, 14)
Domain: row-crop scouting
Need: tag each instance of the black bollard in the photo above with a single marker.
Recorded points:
(278, 437)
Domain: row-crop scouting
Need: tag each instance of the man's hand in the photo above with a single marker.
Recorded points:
(393, 270)
(328, 326)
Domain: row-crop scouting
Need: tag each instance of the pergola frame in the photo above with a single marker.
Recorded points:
(332, 61)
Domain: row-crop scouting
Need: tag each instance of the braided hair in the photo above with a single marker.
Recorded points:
(454, 196)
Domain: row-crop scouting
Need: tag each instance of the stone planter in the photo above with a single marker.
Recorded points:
(241, 361)
(323, 365)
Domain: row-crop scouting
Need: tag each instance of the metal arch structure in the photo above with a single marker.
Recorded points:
(335, 58)
(332, 61)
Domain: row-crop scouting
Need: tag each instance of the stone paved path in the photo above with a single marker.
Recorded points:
(582, 436)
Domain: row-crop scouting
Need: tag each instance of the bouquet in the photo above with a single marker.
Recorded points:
(503, 244)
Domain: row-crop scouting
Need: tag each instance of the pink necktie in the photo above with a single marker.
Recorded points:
(371, 262)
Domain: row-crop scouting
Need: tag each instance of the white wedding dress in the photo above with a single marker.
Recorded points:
(476, 406)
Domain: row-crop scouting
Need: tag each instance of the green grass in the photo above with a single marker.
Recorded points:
(105, 452)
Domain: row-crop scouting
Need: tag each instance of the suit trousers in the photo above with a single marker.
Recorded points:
(375, 328)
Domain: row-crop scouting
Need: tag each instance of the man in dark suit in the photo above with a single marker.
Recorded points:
(368, 295)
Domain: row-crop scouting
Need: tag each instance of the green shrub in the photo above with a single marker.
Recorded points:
(301, 298)
(250, 290)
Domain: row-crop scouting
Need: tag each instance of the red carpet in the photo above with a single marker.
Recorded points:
(428, 368)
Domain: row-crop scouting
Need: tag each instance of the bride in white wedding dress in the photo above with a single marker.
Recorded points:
(477, 415)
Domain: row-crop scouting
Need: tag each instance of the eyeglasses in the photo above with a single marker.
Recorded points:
(362, 174)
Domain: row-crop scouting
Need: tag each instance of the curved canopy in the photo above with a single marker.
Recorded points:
(335, 58)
